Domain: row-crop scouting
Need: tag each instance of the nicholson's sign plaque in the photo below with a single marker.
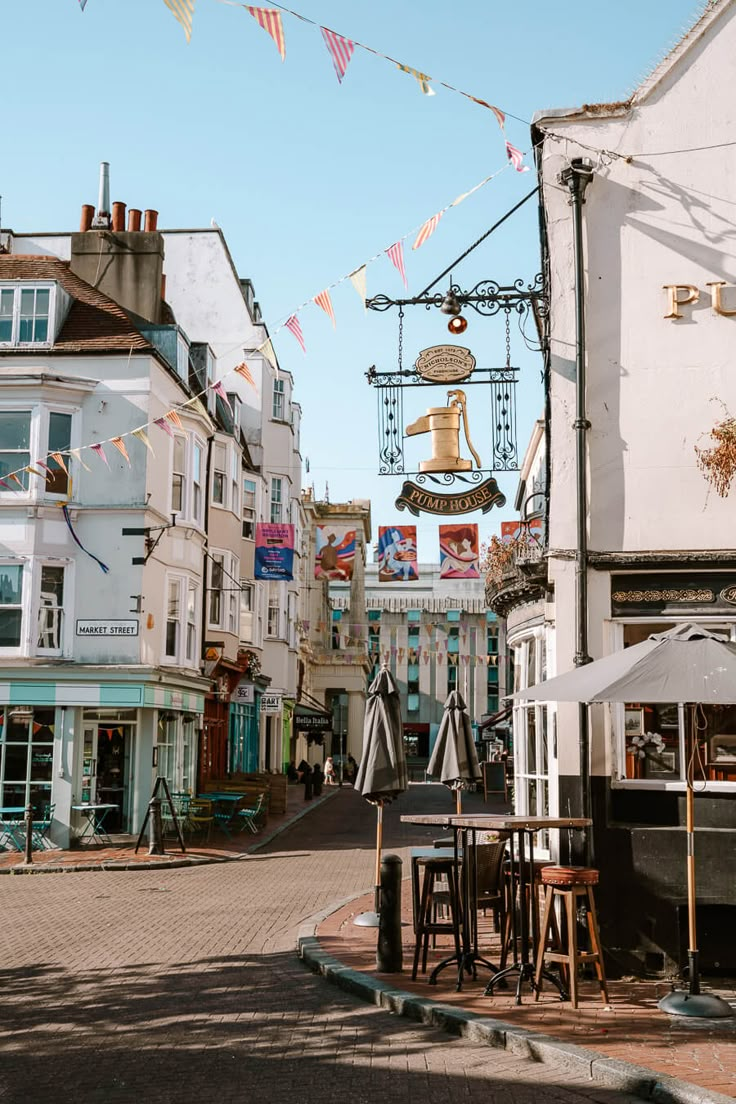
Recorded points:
(96, 627)
(421, 500)
(445, 364)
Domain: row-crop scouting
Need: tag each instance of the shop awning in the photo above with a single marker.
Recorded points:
(308, 719)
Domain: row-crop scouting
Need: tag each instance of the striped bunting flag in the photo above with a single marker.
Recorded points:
(427, 230)
(421, 78)
(359, 281)
(516, 157)
(268, 352)
(60, 461)
(101, 453)
(294, 327)
(243, 370)
(184, 12)
(77, 454)
(16, 479)
(34, 471)
(143, 437)
(324, 301)
(270, 20)
(341, 50)
(119, 444)
(218, 388)
(164, 425)
(500, 117)
(396, 255)
(173, 417)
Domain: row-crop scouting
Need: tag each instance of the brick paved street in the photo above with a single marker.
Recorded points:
(167, 986)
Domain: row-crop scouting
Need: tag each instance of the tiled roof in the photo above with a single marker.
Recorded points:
(95, 323)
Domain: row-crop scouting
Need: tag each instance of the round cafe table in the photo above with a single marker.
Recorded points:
(524, 932)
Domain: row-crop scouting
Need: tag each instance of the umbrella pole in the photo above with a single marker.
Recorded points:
(459, 802)
(379, 846)
(693, 1002)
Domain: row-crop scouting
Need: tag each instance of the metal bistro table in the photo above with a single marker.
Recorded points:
(521, 861)
(95, 815)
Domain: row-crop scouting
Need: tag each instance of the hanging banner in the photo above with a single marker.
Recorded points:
(459, 552)
(397, 554)
(511, 530)
(334, 552)
(274, 551)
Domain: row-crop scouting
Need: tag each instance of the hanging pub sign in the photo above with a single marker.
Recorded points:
(445, 364)
(420, 500)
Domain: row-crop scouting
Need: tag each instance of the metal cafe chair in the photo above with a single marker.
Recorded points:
(248, 817)
(200, 817)
(41, 827)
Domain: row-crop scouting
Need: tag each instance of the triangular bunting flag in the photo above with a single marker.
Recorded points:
(341, 50)
(427, 230)
(516, 157)
(270, 20)
(173, 417)
(500, 117)
(359, 281)
(294, 327)
(100, 452)
(4, 484)
(220, 390)
(119, 444)
(164, 425)
(243, 370)
(33, 471)
(77, 454)
(184, 12)
(45, 467)
(324, 301)
(396, 256)
(143, 436)
(83, 4)
(16, 479)
(421, 78)
(268, 351)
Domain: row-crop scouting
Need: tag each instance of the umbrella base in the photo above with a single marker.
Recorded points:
(367, 920)
(702, 1005)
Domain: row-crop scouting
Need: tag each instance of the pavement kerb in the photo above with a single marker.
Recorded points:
(611, 1072)
(167, 863)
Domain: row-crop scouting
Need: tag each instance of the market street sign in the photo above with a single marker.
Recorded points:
(270, 703)
(96, 627)
(445, 364)
(420, 500)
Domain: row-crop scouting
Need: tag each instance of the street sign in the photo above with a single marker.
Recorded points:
(244, 694)
(271, 703)
(445, 364)
(98, 627)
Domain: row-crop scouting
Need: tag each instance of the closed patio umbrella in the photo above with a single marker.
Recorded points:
(454, 759)
(689, 665)
(382, 774)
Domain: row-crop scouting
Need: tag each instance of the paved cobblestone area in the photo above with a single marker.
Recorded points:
(166, 986)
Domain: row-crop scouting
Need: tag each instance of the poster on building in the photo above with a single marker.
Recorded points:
(512, 530)
(397, 553)
(274, 551)
(334, 551)
(459, 552)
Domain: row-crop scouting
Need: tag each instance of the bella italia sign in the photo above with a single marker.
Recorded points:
(445, 364)
(420, 500)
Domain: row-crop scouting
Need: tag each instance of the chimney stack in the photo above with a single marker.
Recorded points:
(134, 219)
(151, 223)
(101, 221)
(118, 217)
(88, 213)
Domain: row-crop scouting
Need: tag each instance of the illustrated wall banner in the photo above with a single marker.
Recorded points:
(459, 552)
(397, 553)
(334, 552)
(274, 551)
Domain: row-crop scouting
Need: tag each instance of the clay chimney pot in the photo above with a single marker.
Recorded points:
(134, 219)
(118, 216)
(151, 222)
(85, 222)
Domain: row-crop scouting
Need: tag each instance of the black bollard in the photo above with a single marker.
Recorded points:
(28, 858)
(307, 785)
(389, 958)
(155, 827)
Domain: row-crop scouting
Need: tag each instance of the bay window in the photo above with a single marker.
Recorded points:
(27, 435)
(224, 591)
(32, 600)
(186, 478)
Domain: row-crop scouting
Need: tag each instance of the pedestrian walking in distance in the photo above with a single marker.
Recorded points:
(329, 771)
(352, 768)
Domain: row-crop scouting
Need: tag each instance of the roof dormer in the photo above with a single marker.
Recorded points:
(31, 313)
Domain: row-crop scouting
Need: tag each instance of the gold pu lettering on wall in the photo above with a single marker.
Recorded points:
(683, 295)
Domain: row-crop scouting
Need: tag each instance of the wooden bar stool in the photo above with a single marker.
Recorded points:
(427, 924)
(571, 884)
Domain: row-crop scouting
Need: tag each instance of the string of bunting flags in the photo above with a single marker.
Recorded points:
(358, 279)
(341, 50)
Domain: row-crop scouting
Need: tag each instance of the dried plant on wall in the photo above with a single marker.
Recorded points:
(718, 462)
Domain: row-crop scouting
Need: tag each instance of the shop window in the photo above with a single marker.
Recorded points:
(166, 743)
(531, 726)
(27, 743)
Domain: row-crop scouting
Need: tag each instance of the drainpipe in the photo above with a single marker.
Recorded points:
(577, 177)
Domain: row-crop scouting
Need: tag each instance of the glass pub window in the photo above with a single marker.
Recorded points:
(60, 439)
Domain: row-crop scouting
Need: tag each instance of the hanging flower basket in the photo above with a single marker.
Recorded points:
(718, 463)
(251, 664)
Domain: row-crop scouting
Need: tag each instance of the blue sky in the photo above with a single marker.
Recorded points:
(309, 178)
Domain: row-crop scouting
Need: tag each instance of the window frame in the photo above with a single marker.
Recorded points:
(250, 509)
(228, 592)
(18, 288)
(180, 657)
(33, 488)
(277, 499)
(278, 401)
